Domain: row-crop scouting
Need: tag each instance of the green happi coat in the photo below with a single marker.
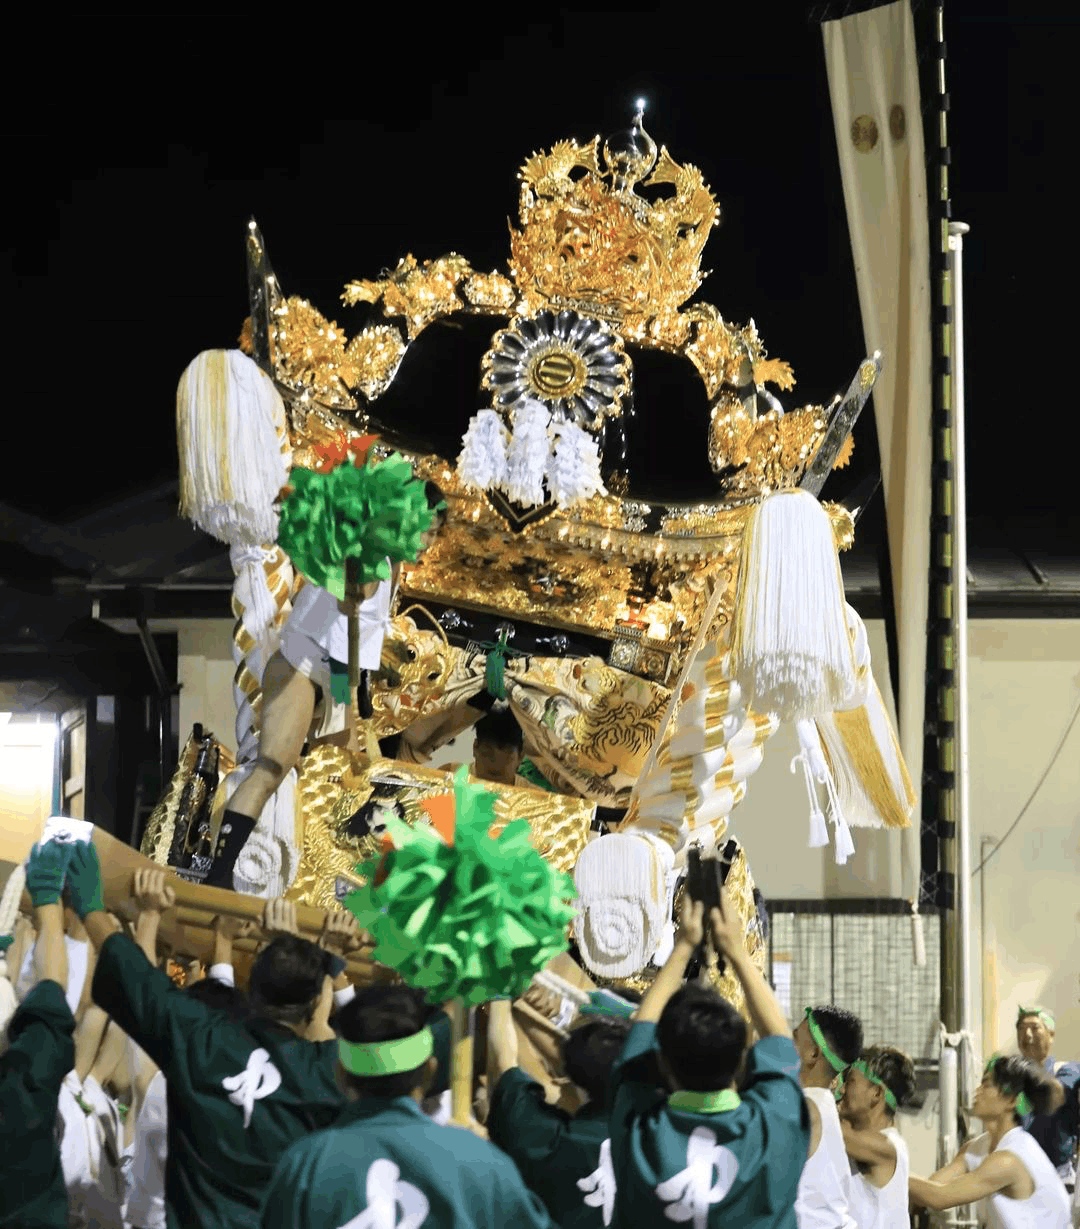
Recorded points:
(737, 1166)
(238, 1093)
(384, 1164)
(564, 1158)
(41, 1053)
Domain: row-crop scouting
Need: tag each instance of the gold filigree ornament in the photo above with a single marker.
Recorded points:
(420, 293)
(376, 355)
(309, 354)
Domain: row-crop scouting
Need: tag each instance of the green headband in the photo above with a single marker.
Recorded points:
(717, 1102)
(1023, 1104)
(1041, 1012)
(837, 1064)
(386, 1057)
(890, 1099)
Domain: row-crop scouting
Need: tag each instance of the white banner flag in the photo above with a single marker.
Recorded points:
(874, 84)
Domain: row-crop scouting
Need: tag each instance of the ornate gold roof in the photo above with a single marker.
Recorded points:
(613, 232)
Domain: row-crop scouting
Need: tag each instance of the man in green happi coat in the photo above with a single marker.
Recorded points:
(384, 1165)
(40, 1052)
(239, 1091)
(705, 1155)
(564, 1158)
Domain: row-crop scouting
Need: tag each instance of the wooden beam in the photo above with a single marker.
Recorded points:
(187, 927)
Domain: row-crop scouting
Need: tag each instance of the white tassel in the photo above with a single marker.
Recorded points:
(574, 473)
(819, 832)
(482, 463)
(230, 424)
(529, 454)
(792, 654)
(814, 770)
(845, 846)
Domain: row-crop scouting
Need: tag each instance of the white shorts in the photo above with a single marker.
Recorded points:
(313, 661)
(307, 657)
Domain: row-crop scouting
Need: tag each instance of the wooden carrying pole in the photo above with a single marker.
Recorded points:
(461, 1063)
(188, 927)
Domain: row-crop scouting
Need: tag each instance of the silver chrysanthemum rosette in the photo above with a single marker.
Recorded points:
(568, 362)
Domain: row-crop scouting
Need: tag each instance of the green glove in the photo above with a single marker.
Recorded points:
(45, 873)
(5, 942)
(84, 879)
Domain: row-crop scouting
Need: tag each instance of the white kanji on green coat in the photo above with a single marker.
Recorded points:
(692, 1191)
(600, 1184)
(386, 1193)
(258, 1079)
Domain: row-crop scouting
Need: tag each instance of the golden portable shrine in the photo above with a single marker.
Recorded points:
(648, 650)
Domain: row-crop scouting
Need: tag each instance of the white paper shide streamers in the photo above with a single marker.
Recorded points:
(536, 452)
(574, 472)
(482, 463)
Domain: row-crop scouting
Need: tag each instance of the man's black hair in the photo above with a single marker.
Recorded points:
(499, 728)
(384, 1013)
(384, 796)
(287, 979)
(702, 1038)
(842, 1031)
(434, 496)
(895, 1070)
(591, 1050)
(1014, 1075)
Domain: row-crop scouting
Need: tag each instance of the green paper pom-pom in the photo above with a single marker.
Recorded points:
(473, 920)
(370, 514)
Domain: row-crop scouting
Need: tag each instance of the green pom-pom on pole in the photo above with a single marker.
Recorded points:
(474, 919)
(365, 514)
(469, 919)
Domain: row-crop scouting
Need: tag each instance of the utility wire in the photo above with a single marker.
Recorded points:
(1038, 786)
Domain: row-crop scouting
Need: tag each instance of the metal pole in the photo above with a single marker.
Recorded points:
(957, 230)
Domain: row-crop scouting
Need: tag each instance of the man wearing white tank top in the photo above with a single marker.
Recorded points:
(1004, 1170)
(828, 1039)
(874, 1089)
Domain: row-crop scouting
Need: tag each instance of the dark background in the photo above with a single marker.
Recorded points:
(136, 159)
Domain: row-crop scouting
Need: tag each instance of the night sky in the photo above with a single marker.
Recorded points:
(138, 147)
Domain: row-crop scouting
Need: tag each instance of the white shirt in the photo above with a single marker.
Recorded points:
(822, 1201)
(91, 1154)
(882, 1207)
(78, 952)
(315, 614)
(1048, 1205)
(145, 1206)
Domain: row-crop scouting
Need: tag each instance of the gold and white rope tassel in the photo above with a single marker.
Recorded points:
(230, 423)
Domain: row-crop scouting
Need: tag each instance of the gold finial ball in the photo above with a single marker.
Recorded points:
(631, 154)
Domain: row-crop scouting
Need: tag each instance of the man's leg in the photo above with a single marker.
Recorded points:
(288, 702)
